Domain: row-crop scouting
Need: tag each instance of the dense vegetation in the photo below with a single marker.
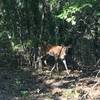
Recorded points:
(27, 23)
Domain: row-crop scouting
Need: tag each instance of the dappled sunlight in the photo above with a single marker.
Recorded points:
(49, 49)
(21, 84)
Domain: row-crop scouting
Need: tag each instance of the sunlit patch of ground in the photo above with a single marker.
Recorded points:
(18, 84)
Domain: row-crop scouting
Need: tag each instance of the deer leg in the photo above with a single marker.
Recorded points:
(64, 61)
(53, 68)
(57, 66)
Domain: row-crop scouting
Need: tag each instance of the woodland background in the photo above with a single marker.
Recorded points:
(26, 24)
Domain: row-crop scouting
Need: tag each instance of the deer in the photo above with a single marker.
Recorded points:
(58, 52)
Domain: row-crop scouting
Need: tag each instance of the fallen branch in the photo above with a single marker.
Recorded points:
(91, 89)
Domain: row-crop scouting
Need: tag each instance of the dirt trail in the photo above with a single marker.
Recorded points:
(18, 84)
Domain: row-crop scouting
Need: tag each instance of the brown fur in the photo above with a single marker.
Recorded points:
(58, 51)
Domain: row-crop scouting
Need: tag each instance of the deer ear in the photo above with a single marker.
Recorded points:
(49, 47)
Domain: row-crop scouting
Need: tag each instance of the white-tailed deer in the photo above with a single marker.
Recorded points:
(58, 52)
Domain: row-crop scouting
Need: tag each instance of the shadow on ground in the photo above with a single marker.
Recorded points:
(18, 84)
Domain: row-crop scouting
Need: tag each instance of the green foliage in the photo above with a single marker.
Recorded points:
(30, 22)
(1, 33)
(68, 14)
(24, 93)
(18, 82)
(69, 10)
(53, 2)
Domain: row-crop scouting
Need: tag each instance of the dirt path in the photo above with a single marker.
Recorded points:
(19, 84)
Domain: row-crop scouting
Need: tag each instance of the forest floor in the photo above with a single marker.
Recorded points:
(23, 84)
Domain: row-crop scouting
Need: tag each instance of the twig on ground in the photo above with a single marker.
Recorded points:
(91, 89)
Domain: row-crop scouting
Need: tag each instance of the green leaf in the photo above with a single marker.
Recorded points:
(18, 82)
(1, 33)
(98, 14)
(24, 92)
